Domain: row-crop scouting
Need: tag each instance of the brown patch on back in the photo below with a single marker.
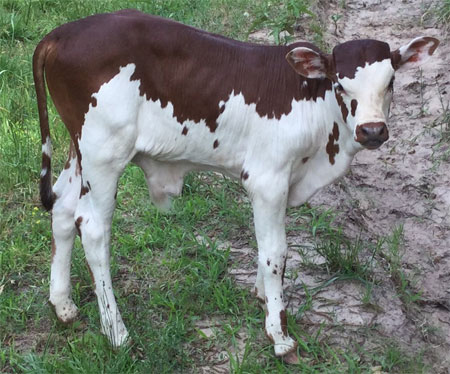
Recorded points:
(331, 148)
(283, 319)
(354, 105)
(83, 55)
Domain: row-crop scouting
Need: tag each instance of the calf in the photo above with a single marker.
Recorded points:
(285, 120)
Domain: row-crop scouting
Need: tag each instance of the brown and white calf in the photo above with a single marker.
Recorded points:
(285, 120)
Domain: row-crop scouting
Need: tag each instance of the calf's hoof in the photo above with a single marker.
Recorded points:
(118, 336)
(287, 350)
(65, 311)
(291, 358)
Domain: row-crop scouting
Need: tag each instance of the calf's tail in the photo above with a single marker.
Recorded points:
(48, 197)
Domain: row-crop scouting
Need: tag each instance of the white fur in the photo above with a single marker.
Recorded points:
(47, 147)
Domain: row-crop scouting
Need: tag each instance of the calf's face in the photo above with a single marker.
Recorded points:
(362, 72)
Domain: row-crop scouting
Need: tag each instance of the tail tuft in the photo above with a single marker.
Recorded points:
(48, 197)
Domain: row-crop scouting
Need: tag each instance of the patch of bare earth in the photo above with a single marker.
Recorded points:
(402, 183)
(399, 185)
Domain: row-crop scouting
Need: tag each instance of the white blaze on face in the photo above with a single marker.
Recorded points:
(370, 89)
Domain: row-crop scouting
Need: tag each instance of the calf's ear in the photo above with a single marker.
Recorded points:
(309, 63)
(414, 53)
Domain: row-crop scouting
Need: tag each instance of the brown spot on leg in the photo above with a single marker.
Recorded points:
(216, 144)
(244, 175)
(274, 272)
(305, 159)
(354, 105)
(78, 223)
(282, 274)
(283, 321)
(84, 190)
(185, 130)
(268, 262)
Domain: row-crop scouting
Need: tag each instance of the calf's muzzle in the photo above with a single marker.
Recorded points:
(372, 134)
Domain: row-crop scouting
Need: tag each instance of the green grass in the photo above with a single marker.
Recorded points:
(443, 12)
(170, 271)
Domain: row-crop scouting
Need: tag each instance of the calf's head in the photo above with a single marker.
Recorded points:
(362, 72)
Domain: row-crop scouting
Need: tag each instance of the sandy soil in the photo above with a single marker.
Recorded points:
(401, 184)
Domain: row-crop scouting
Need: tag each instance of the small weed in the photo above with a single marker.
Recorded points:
(443, 12)
(441, 151)
(335, 18)
(393, 360)
(423, 104)
(281, 18)
(393, 256)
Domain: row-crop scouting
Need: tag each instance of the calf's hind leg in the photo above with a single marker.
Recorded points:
(93, 218)
(67, 190)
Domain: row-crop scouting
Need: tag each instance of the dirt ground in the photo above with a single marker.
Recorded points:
(399, 184)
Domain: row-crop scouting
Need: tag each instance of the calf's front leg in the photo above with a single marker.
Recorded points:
(269, 209)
